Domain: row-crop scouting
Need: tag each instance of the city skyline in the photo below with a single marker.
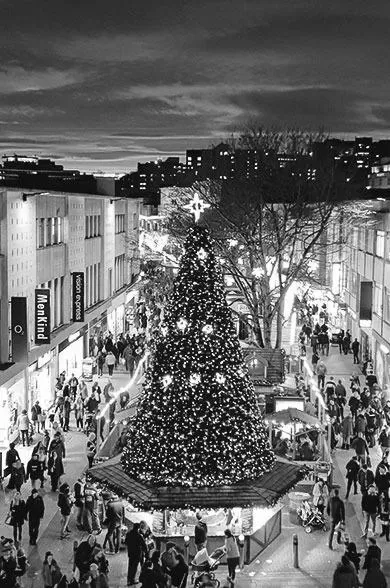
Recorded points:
(101, 87)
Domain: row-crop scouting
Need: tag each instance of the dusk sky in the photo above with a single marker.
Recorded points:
(102, 85)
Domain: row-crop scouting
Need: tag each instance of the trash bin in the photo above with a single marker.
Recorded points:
(89, 368)
(295, 500)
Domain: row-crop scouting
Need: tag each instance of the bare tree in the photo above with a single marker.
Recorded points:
(273, 231)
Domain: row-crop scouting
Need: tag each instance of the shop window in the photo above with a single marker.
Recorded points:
(40, 232)
(87, 227)
(48, 231)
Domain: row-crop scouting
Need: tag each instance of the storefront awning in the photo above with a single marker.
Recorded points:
(264, 491)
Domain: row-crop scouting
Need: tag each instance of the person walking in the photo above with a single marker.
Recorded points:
(359, 444)
(352, 475)
(320, 495)
(51, 572)
(136, 551)
(35, 509)
(200, 532)
(374, 577)
(373, 552)
(65, 503)
(91, 517)
(232, 555)
(17, 511)
(91, 449)
(67, 407)
(114, 518)
(34, 471)
(384, 439)
(345, 575)
(108, 390)
(78, 408)
(315, 358)
(346, 430)
(365, 478)
(100, 359)
(23, 424)
(36, 411)
(18, 476)
(110, 361)
(55, 469)
(355, 350)
(322, 370)
(336, 512)
(370, 506)
(384, 517)
(382, 481)
(78, 490)
(73, 384)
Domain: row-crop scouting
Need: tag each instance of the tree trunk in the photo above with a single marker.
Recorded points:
(267, 329)
(279, 327)
(257, 330)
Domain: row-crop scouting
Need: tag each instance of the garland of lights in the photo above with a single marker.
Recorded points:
(198, 422)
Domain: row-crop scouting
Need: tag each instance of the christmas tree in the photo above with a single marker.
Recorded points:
(198, 423)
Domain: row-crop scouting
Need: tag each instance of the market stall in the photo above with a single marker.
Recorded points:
(250, 508)
(301, 437)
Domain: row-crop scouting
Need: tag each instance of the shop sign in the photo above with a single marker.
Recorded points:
(42, 316)
(78, 297)
(19, 329)
(44, 359)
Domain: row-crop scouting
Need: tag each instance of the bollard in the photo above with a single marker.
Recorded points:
(241, 543)
(186, 548)
(75, 546)
(295, 551)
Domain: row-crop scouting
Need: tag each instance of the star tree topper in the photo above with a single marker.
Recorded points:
(197, 206)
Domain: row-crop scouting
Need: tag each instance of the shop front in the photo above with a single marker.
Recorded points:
(129, 310)
(42, 375)
(71, 353)
(97, 329)
(116, 321)
(12, 401)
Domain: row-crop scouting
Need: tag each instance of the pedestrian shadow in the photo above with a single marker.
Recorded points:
(316, 581)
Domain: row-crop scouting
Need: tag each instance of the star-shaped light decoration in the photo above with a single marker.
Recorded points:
(197, 206)
(182, 324)
(164, 330)
(167, 380)
(220, 378)
(194, 379)
(202, 254)
(257, 272)
(207, 329)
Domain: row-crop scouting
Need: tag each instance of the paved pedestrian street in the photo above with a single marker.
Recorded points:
(274, 568)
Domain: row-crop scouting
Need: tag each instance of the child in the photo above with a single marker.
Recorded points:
(384, 518)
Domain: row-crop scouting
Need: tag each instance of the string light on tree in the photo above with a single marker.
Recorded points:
(167, 381)
(220, 378)
(202, 254)
(164, 331)
(257, 272)
(197, 206)
(232, 242)
(207, 329)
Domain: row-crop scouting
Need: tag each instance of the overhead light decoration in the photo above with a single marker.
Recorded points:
(207, 329)
(194, 379)
(241, 373)
(202, 254)
(182, 324)
(167, 380)
(232, 242)
(196, 206)
(257, 272)
(220, 378)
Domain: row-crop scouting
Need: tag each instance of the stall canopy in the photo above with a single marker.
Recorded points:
(265, 491)
(291, 415)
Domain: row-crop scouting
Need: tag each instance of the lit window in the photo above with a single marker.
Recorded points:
(380, 243)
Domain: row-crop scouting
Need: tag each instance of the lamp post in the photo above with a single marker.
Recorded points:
(186, 548)
(241, 543)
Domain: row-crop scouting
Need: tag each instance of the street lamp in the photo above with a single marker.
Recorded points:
(241, 542)
(26, 195)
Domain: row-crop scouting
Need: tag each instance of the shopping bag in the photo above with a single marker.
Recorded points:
(8, 520)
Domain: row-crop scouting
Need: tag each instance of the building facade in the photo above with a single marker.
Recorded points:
(44, 239)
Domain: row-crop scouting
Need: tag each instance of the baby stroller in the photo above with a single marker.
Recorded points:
(204, 571)
(89, 423)
(311, 518)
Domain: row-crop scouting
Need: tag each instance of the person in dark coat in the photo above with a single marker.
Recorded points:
(34, 471)
(355, 350)
(382, 481)
(374, 577)
(11, 456)
(35, 510)
(365, 478)
(352, 475)
(18, 476)
(200, 532)
(55, 468)
(373, 552)
(114, 517)
(86, 554)
(345, 575)
(17, 509)
(353, 556)
(336, 512)
(136, 551)
(9, 569)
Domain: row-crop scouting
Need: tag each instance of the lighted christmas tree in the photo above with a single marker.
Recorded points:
(198, 423)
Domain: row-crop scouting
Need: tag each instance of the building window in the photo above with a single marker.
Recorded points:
(119, 223)
(387, 306)
(48, 231)
(378, 300)
(41, 232)
(380, 244)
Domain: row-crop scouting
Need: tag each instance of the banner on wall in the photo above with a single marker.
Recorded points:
(19, 337)
(78, 297)
(42, 316)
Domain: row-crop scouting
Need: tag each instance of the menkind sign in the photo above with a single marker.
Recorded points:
(42, 316)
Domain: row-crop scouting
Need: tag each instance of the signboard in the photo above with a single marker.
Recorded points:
(42, 316)
(78, 297)
(19, 328)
